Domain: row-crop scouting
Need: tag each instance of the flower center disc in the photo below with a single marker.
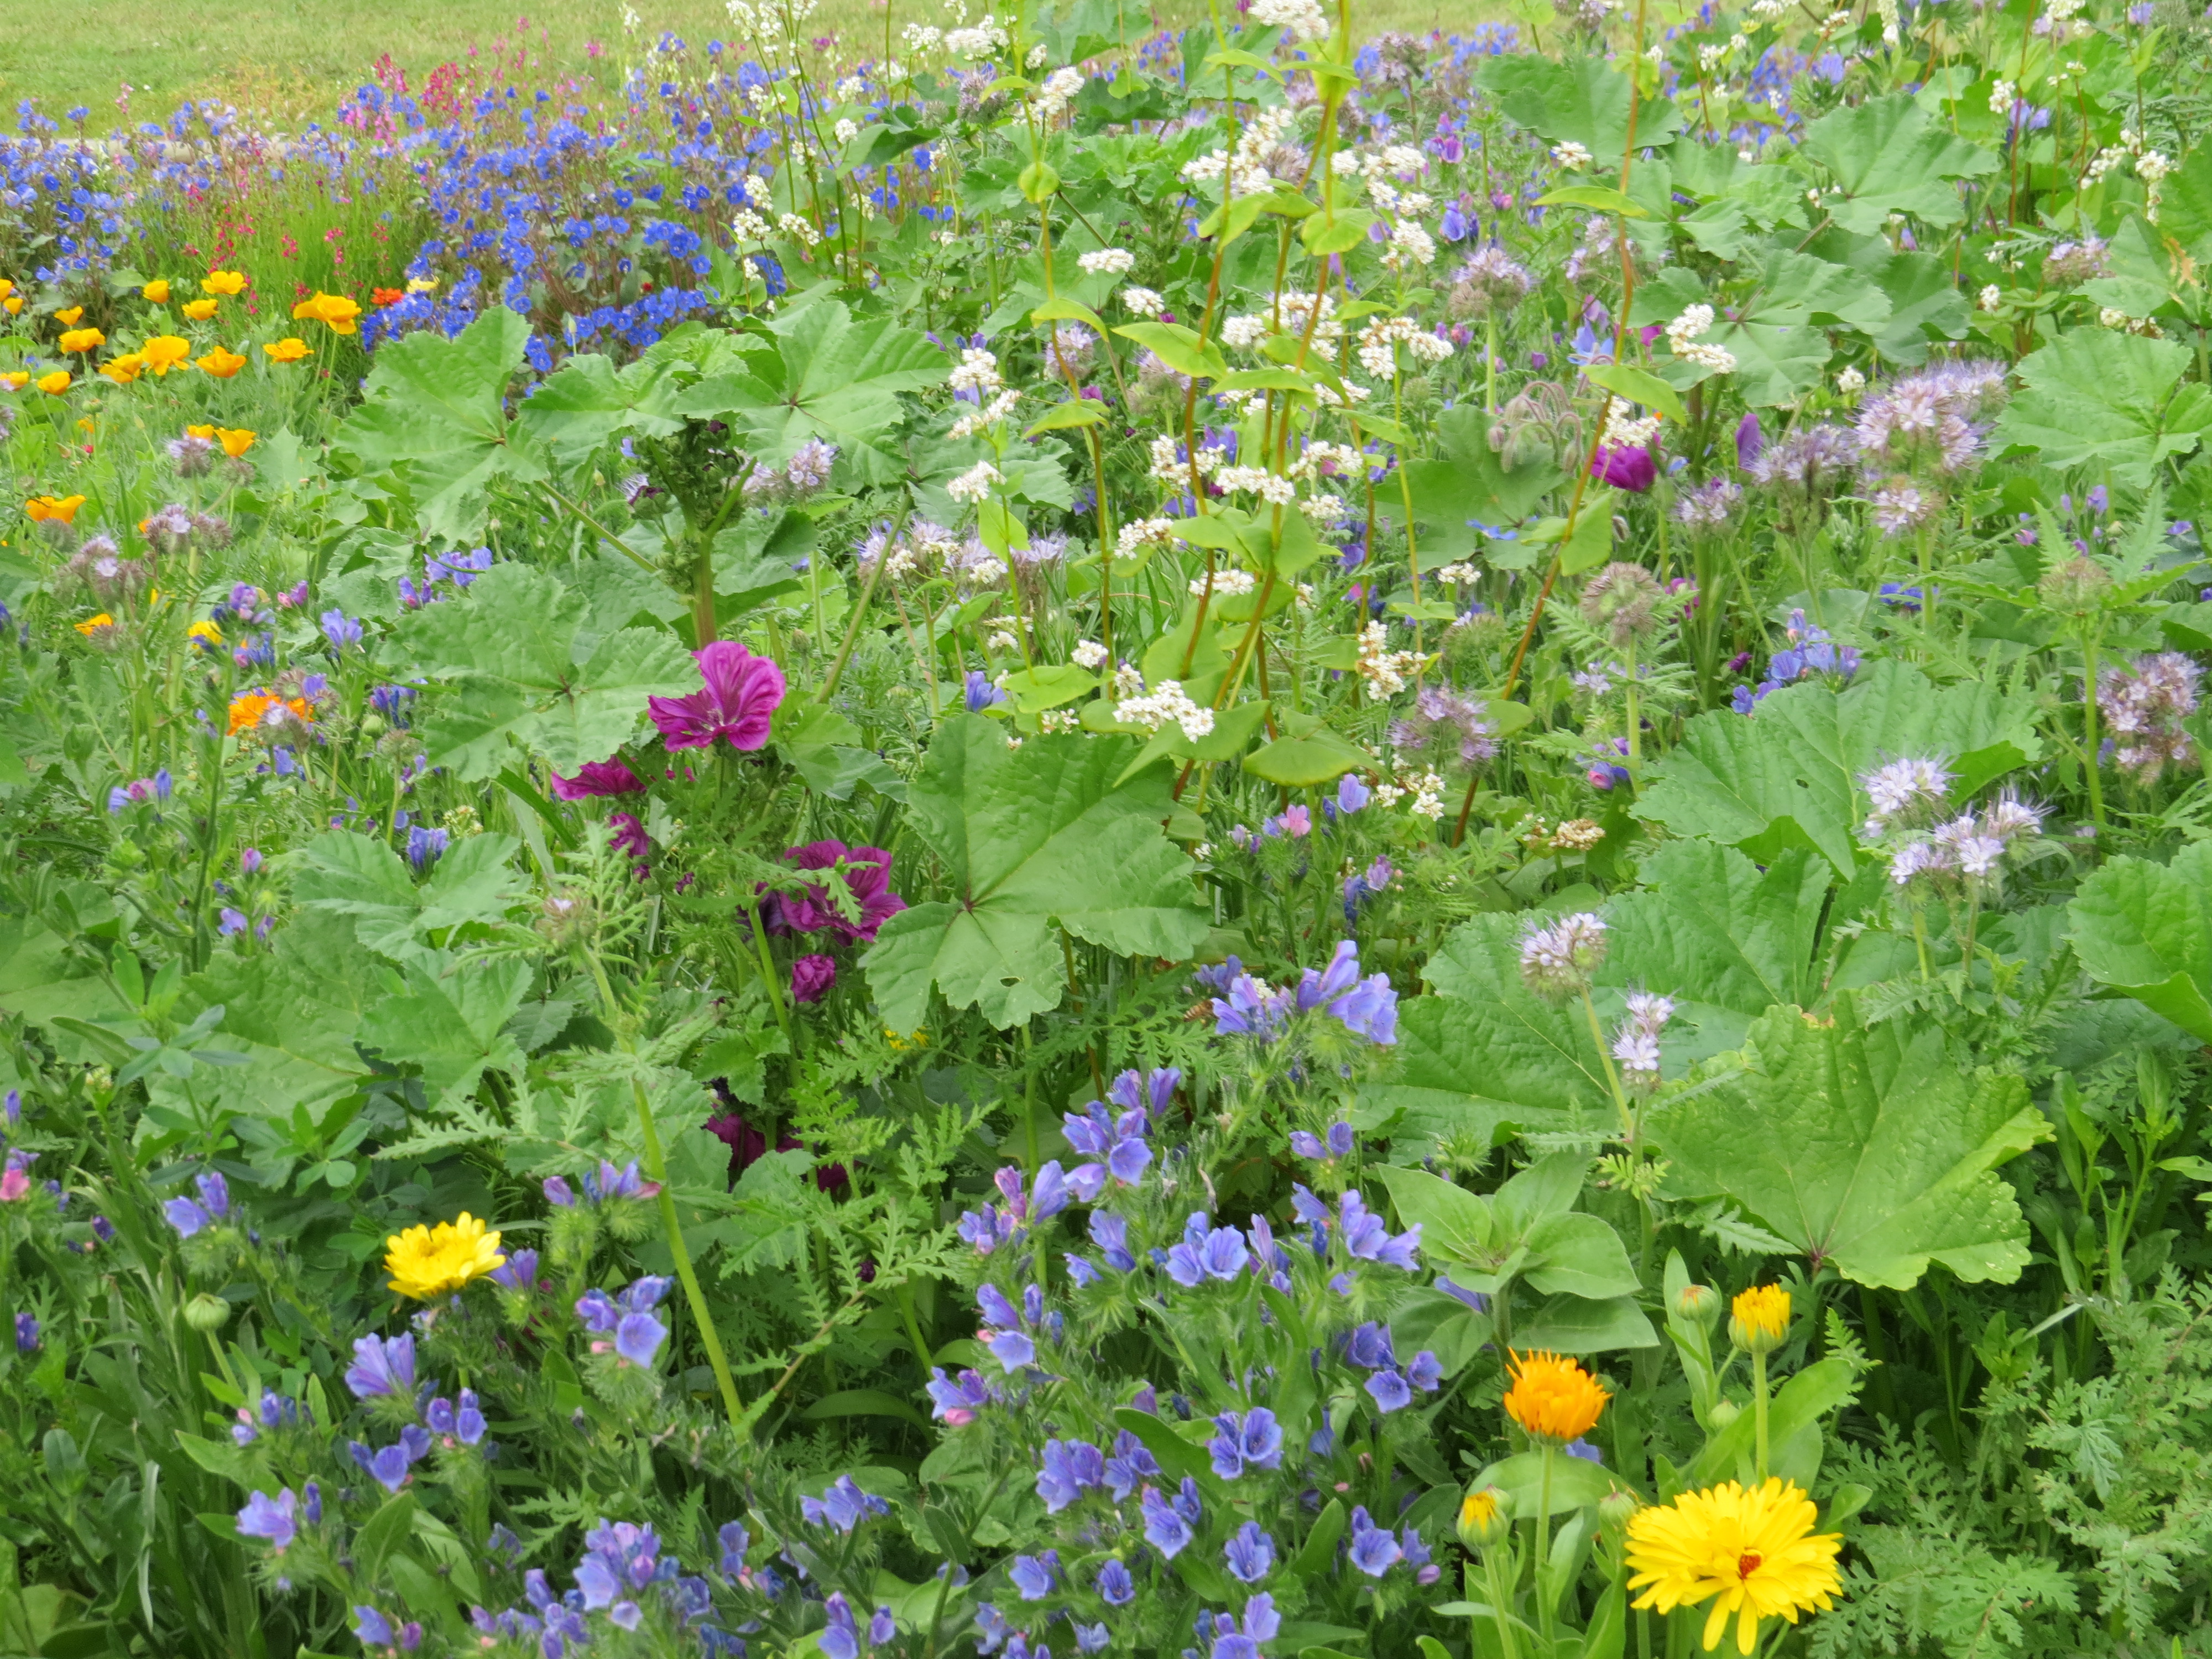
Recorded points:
(1747, 1564)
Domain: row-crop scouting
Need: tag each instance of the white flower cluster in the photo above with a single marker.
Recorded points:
(980, 41)
(1060, 89)
(1269, 486)
(977, 371)
(1573, 156)
(1089, 654)
(1247, 170)
(1409, 245)
(1140, 534)
(975, 483)
(1168, 701)
(1682, 339)
(974, 421)
(1108, 261)
(1385, 672)
(1144, 302)
(1626, 431)
(746, 226)
(1382, 334)
(1227, 584)
(799, 230)
(1321, 459)
(1456, 574)
(1305, 19)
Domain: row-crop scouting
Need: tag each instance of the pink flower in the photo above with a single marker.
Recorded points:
(868, 877)
(606, 777)
(742, 692)
(811, 978)
(13, 1185)
(626, 835)
(1626, 468)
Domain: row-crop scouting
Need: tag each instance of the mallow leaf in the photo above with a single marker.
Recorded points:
(1873, 1151)
(521, 667)
(1584, 98)
(1787, 773)
(449, 1019)
(2109, 401)
(2146, 929)
(349, 874)
(1467, 486)
(587, 403)
(1026, 838)
(1888, 156)
(293, 1010)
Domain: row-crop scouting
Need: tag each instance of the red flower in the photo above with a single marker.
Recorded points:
(742, 692)
(381, 297)
(606, 777)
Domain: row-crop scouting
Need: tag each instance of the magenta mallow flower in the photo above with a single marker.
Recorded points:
(741, 693)
(811, 978)
(868, 877)
(1625, 467)
(606, 777)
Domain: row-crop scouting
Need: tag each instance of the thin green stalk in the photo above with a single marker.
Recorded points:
(1759, 1412)
(1543, 1543)
(656, 1166)
(1501, 1608)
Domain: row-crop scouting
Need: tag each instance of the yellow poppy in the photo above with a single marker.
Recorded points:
(157, 291)
(54, 384)
(125, 369)
(82, 339)
(421, 285)
(223, 364)
(287, 350)
(14, 304)
(165, 352)
(91, 626)
(335, 310)
(204, 635)
(235, 441)
(69, 319)
(1553, 1399)
(15, 378)
(223, 282)
(61, 508)
(7, 287)
(206, 432)
(200, 310)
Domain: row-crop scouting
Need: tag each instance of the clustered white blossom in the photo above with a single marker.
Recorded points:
(1379, 340)
(1224, 584)
(1682, 339)
(975, 483)
(1385, 672)
(1166, 703)
(1623, 430)
(1305, 19)
(1089, 654)
(1108, 261)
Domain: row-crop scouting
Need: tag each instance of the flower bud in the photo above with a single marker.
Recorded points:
(1699, 1302)
(207, 1313)
(2076, 587)
(1485, 1517)
(1615, 1507)
(1761, 1319)
(1724, 1413)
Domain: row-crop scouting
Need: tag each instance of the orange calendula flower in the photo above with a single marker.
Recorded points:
(157, 291)
(254, 710)
(125, 369)
(225, 283)
(221, 364)
(336, 311)
(71, 317)
(381, 297)
(15, 378)
(1754, 1551)
(235, 440)
(54, 383)
(61, 508)
(1553, 1399)
(200, 310)
(93, 627)
(166, 351)
(287, 350)
(82, 339)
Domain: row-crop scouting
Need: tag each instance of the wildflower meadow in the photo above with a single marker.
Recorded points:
(1024, 835)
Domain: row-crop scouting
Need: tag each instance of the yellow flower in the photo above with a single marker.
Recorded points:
(1485, 1518)
(223, 364)
(429, 1262)
(200, 310)
(223, 282)
(60, 508)
(15, 378)
(335, 310)
(1761, 1318)
(207, 432)
(251, 711)
(157, 291)
(205, 635)
(421, 285)
(1553, 1399)
(91, 626)
(54, 384)
(287, 350)
(1756, 1551)
(71, 317)
(14, 304)
(7, 287)
(165, 352)
(82, 339)
(235, 440)
(125, 369)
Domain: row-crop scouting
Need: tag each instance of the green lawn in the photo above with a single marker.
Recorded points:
(290, 59)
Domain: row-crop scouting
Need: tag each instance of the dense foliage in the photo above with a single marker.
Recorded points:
(1229, 843)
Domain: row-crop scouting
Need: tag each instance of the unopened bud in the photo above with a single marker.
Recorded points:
(1761, 1319)
(1485, 1517)
(207, 1314)
(1699, 1302)
(1615, 1507)
(1724, 1413)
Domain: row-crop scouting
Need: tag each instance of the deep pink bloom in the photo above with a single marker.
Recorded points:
(1626, 468)
(747, 1144)
(627, 835)
(742, 692)
(868, 877)
(811, 978)
(606, 777)
(13, 1183)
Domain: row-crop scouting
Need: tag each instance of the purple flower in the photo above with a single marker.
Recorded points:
(274, 1519)
(882, 1627)
(518, 1272)
(26, 1334)
(1370, 1010)
(1110, 1233)
(559, 1193)
(867, 874)
(606, 777)
(1374, 1549)
(842, 1505)
(1369, 1347)
(742, 692)
(639, 1337)
(1165, 1529)
(371, 1628)
(214, 1193)
(1426, 1373)
(1250, 1554)
(1070, 1468)
(1219, 1253)
(957, 1403)
(382, 1367)
(978, 693)
(1750, 439)
(1352, 793)
(811, 978)
(840, 1638)
(1624, 467)
(1254, 1441)
(186, 1217)
(1033, 1577)
(1389, 1391)
(1368, 1240)
(469, 1421)
(1115, 1588)
(1012, 1350)
(340, 630)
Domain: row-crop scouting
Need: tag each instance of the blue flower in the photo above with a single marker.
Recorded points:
(1092, 1638)
(425, 846)
(991, 1303)
(1131, 1463)
(735, 1541)
(1252, 1441)
(1069, 1468)
(1426, 1373)
(1033, 1577)
(968, 1395)
(1165, 1529)
(842, 1505)
(371, 1628)
(840, 1638)
(1110, 1233)
(186, 1217)
(1012, 1350)
(1367, 1239)
(1389, 1391)
(274, 1519)
(340, 630)
(1250, 1554)
(1115, 1585)
(981, 693)
(382, 1367)
(1369, 1347)
(1374, 1549)
(26, 1334)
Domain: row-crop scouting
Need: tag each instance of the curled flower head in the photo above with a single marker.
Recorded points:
(1559, 960)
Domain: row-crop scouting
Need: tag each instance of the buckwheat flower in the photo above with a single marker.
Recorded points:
(1559, 960)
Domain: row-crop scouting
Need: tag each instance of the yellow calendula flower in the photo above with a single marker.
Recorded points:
(225, 283)
(54, 383)
(1553, 1399)
(7, 286)
(71, 317)
(336, 311)
(235, 440)
(61, 508)
(1761, 1318)
(207, 432)
(157, 291)
(429, 1262)
(287, 350)
(1485, 1517)
(221, 364)
(93, 627)
(167, 351)
(82, 339)
(1754, 1551)
(205, 635)
(200, 310)
(125, 369)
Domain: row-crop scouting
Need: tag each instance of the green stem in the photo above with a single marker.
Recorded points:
(767, 968)
(1612, 1076)
(1759, 1412)
(1543, 1544)
(1500, 1608)
(656, 1166)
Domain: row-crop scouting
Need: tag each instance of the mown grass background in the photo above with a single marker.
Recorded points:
(290, 61)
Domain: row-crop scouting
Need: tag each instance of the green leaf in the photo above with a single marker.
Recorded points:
(382, 1534)
(1888, 156)
(1570, 1324)
(1787, 774)
(1028, 838)
(2111, 402)
(1179, 348)
(1776, 363)
(349, 874)
(588, 404)
(1467, 488)
(2145, 929)
(1075, 412)
(1576, 1482)
(518, 667)
(1722, 937)
(450, 1023)
(1639, 385)
(293, 1009)
(864, 1402)
(1874, 1151)
(1584, 98)
(1035, 690)
(1798, 1405)
(1304, 763)
(1597, 198)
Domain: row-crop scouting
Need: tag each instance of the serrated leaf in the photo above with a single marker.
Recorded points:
(450, 1023)
(1028, 838)
(1874, 1152)
(1889, 157)
(2115, 402)
(1584, 98)
(2146, 929)
(1466, 489)
(349, 874)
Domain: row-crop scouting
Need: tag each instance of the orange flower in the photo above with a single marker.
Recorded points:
(381, 297)
(287, 350)
(253, 709)
(14, 304)
(207, 432)
(157, 291)
(62, 508)
(71, 317)
(15, 378)
(235, 440)
(7, 287)
(223, 282)
(337, 310)
(200, 310)
(223, 364)
(93, 627)
(165, 352)
(1553, 1399)
(125, 369)
(82, 339)
(54, 384)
